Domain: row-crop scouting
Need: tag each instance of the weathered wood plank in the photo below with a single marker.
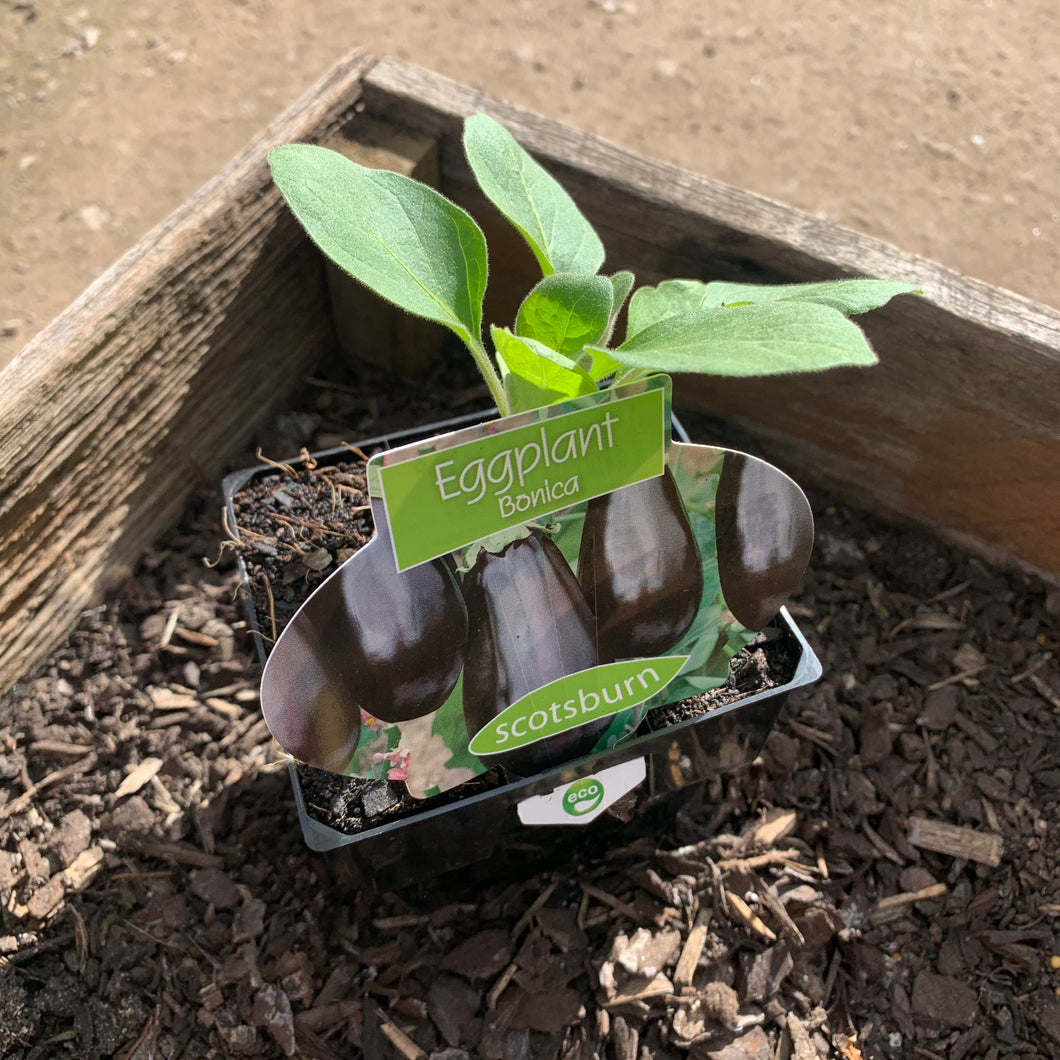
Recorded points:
(156, 374)
(957, 428)
(368, 327)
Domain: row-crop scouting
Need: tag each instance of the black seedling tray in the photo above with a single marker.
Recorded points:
(455, 833)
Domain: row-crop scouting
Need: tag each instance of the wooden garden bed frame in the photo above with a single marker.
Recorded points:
(163, 368)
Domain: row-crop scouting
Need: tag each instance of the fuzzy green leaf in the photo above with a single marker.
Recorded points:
(671, 298)
(748, 340)
(400, 238)
(677, 297)
(559, 235)
(535, 375)
(566, 311)
(848, 296)
(622, 283)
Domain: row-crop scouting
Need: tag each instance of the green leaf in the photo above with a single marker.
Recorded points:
(677, 297)
(748, 340)
(566, 311)
(602, 363)
(671, 298)
(559, 235)
(622, 283)
(848, 296)
(397, 236)
(535, 375)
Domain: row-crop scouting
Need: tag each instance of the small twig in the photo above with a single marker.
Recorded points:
(616, 903)
(749, 916)
(359, 453)
(1033, 668)
(285, 468)
(659, 987)
(19, 804)
(757, 861)
(171, 624)
(693, 950)
(294, 520)
(535, 907)
(891, 908)
(953, 679)
(400, 1040)
(500, 986)
(881, 844)
(954, 590)
(272, 608)
(958, 842)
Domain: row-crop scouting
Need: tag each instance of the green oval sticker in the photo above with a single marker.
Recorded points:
(575, 700)
(583, 796)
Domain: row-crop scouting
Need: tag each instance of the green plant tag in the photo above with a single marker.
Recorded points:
(576, 700)
(532, 199)
(444, 499)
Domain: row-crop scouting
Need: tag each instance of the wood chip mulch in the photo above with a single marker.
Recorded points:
(881, 882)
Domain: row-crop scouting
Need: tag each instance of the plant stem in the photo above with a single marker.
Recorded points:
(631, 375)
(493, 380)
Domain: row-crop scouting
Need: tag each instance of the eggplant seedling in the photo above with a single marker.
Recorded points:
(415, 248)
(529, 620)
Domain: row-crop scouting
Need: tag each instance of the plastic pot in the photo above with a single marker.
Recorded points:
(649, 769)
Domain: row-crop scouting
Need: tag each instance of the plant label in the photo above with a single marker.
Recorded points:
(536, 584)
(585, 799)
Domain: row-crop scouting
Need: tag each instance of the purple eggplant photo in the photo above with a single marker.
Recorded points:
(640, 569)
(310, 711)
(765, 536)
(401, 634)
(528, 625)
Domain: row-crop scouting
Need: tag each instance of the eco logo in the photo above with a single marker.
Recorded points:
(580, 803)
(583, 796)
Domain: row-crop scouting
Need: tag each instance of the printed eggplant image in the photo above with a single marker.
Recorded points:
(528, 625)
(371, 637)
(402, 633)
(765, 536)
(640, 569)
(311, 714)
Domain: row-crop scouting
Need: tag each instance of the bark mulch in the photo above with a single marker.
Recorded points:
(881, 882)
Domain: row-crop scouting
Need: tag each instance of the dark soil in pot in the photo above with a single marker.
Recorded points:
(297, 525)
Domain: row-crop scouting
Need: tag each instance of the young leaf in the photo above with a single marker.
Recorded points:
(743, 340)
(566, 311)
(671, 298)
(602, 363)
(559, 235)
(622, 283)
(848, 296)
(677, 297)
(397, 236)
(534, 375)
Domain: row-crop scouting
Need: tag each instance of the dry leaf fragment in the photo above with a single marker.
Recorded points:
(749, 917)
(660, 986)
(776, 826)
(138, 777)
